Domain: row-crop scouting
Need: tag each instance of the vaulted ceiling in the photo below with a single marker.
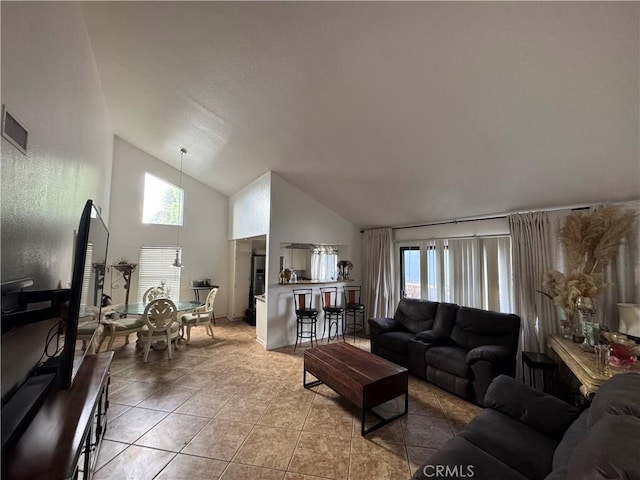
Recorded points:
(388, 113)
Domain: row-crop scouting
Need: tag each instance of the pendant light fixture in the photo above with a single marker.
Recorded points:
(177, 262)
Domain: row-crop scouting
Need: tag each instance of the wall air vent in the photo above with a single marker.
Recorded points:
(14, 131)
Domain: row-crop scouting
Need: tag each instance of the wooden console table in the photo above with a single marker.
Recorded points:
(63, 439)
(583, 364)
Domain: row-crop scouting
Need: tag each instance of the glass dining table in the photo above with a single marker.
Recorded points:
(138, 308)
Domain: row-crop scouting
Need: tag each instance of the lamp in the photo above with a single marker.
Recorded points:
(629, 319)
(176, 262)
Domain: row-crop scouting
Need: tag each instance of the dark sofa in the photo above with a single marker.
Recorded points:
(527, 434)
(459, 349)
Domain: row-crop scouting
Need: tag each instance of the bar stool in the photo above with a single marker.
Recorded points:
(333, 312)
(306, 316)
(354, 308)
(543, 362)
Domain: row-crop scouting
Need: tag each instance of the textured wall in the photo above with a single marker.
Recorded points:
(50, 82)
(250, 209)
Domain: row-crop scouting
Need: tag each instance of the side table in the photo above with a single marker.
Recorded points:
(583, 365)
(196, 290)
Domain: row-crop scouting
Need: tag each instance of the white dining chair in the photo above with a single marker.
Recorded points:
(203, 316)
(160, 324)
(115, 326)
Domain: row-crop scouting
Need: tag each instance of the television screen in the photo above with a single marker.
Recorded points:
(86, 291)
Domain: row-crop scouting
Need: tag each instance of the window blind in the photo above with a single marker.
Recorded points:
(86, 277)
(155, 267)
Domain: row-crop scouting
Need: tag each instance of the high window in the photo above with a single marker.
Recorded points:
(163, 202)
(474, 272)
(156, 269)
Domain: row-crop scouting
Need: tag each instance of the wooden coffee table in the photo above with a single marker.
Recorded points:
(364, 379)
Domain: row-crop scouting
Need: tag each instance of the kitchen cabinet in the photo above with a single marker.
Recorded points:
(299, 259)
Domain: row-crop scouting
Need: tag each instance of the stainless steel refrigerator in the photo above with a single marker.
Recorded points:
(258, 263)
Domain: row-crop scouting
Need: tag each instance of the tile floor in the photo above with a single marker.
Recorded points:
(226, 408)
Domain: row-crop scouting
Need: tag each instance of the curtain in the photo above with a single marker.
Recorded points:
(378, 273)
(621, 276)
(531, 252)
(505, 274)
(466, 272)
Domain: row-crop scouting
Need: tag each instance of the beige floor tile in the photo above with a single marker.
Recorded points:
(189, 467)
(244, 409)
(135, 393)
(287, 412)
(425, 405)
(268, 447)
(391, 432)
(418, 456)
(132, 424)
(298, 476)
(236, 471)
(135, 463)
(168, 398)
(108, 451)
(377, 460)
(204, 404)
(219, 439)
(329, 418)
(326, 456)
(423, 431)
(173, 432)
(194, 379)
(243, 400)
(256, 386)
(115, 410)
(116, 383)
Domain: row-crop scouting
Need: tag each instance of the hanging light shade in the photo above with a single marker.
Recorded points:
(177, 262)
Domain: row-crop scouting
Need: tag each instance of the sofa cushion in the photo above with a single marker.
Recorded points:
(415, 314)
(618, 396)
(450, 359)
(395, 341)
(475, 327)
(542, 412)
(565, 448)
(465, 460)
(445, 317)
(609, 449)
(512, 442)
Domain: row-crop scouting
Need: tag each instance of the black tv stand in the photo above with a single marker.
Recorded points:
(64, 437)
(18, 412)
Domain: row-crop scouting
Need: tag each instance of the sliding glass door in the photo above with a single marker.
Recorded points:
(474, 272)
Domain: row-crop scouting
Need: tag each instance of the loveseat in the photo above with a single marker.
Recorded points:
(527, 434)
(459, 349)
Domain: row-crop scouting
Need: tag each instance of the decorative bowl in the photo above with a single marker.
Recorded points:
(618, 363)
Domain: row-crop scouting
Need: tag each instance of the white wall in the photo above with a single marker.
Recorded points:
(297, 217)
(203, 236)
(50, 82)
(250, 209)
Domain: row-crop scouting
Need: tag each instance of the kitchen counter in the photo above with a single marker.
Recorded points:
(313, 282)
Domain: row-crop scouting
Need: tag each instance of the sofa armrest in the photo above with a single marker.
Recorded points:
(538, 410)
(381, 325)
(434, 337)
(495, 354)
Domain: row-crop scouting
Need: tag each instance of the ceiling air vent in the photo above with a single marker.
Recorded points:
(14, 131)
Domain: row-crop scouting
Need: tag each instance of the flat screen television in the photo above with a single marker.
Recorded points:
(87, 282)
(35, 323)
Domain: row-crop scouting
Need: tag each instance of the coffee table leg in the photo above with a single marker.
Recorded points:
(310, 384)
(383, 421)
